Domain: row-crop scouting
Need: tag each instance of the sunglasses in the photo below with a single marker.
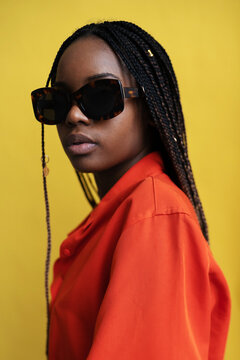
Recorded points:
(98, 100)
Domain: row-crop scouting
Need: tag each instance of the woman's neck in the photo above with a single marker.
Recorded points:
(107, 178)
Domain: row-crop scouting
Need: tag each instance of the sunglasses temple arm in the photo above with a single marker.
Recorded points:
(131, 92)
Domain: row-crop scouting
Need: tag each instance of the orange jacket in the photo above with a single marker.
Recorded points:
(136, 280)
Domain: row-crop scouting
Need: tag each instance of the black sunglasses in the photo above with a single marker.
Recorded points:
(98, 100)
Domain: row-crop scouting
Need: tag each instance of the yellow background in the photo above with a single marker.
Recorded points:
(202, 39)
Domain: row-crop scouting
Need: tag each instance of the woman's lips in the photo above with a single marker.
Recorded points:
(79, 144)
(80, 149)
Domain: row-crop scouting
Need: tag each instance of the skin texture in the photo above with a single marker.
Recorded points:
(121, 141)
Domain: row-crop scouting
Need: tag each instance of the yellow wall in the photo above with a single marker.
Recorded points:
(202, 39)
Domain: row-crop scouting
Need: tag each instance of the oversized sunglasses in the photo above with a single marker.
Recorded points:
(98, 100)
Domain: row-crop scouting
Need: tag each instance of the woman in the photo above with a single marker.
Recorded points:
(136, 279)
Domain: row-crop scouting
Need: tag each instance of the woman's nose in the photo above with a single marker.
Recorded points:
(76, 116)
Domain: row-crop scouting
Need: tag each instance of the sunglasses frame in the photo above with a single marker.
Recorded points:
(121, 92)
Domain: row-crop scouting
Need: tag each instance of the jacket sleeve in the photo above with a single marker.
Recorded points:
(159, 301)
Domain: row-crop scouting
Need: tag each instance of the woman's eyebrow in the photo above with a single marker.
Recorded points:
(98, 76)
(89, 78)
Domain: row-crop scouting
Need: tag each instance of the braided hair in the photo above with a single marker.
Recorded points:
(151, 67)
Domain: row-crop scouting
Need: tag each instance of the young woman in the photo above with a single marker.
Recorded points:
(136, 279)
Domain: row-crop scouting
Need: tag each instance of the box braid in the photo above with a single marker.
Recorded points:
(151, 67)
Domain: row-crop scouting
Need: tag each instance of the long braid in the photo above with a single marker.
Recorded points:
(167, 116)
(48, 255)
(183, 141)
(186, 176)
(86, 189)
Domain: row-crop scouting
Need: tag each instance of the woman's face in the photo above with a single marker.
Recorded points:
(120, 141)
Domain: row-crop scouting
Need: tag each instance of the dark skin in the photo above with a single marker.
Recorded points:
(121, 141)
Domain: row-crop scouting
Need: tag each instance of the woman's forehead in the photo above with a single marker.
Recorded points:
(89, 56)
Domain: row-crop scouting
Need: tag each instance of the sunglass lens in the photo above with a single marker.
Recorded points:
(50, 105)
(102, 99)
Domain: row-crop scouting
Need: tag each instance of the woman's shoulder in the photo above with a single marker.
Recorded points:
(158, 195)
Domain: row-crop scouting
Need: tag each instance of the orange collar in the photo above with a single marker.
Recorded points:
(149, 165)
